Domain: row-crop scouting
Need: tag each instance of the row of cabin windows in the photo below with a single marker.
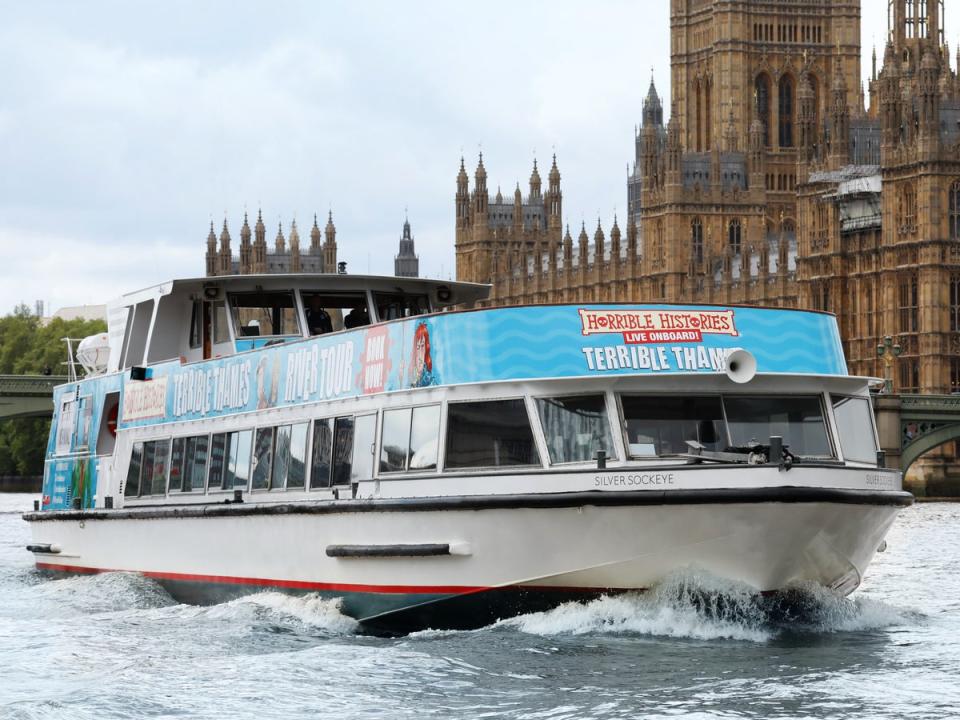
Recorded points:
(486, 434)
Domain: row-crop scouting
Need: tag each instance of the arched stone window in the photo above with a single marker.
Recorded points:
(761, 89)
(734, 236)
(696, 241)
(658, 245)
(953, 203)
(786, 109)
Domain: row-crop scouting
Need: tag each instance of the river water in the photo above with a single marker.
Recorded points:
(116, 646)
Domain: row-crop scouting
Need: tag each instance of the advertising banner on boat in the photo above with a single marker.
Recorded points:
(481, 346)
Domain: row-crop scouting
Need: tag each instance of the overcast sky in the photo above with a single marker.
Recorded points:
(126, 127)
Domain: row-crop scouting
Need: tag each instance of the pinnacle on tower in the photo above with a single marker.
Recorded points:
(315, 235)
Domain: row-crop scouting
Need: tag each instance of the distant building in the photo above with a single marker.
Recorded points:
(285, 257)
(77, 312)
(406, 263)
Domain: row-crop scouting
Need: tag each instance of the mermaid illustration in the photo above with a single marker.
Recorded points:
(421, 363)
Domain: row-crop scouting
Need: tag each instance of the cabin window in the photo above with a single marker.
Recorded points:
(329, 312)
(262, 459)
(188, 463)
(797, 419)
(260, 314)
(196, 324)
(661, 425)
(409, 439)
(352, 450)
(393, 306)
(575, 427)
(494, 433)
(230, 460)
(364, 437)
(320, 457)
(147, 473)
(290, 457)
(132, 487)
(854, 418)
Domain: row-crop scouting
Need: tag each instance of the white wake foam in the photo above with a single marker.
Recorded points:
(312, 611)
(698, 606)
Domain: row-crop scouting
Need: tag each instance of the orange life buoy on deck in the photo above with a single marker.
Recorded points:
(112, 419)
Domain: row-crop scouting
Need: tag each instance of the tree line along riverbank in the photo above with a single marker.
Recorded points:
(30, 347)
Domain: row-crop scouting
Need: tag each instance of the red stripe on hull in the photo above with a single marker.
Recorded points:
(320, 586)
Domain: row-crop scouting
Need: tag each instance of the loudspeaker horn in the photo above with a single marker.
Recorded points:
(740, 366)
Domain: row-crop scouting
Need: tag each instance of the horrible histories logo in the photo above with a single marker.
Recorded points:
(658, 326)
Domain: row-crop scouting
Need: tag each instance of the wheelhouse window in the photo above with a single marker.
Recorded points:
(230, 460)
(854, 420)
(575, 427)
(196, 324)
(259, 314)
(494, 433)
(329, 312)
(662, 425)
(393, 306)
(797, 419)
(147, 472)
(188, 463)
(409, 439)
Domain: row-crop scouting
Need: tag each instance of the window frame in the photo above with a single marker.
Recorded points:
(621, 419)
(537, 438)
(219, 489)
(441, 416)
(826, 414)
(233, 316)
(838, 440)
(541, 436)
(206, 466)
(830, 427)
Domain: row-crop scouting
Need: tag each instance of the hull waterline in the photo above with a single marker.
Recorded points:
(500, 561)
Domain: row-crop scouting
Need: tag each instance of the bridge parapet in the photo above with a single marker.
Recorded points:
(27, 395)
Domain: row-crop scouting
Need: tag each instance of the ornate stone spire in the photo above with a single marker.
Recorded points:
(315, 236)
(280, 244)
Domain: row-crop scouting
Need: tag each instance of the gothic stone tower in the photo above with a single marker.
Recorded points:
(496, 239)
(920, 149)
(718, 196)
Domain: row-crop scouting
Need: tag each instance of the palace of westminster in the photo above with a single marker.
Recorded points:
(777, 181)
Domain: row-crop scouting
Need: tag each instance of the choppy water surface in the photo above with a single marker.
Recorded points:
(117, 646)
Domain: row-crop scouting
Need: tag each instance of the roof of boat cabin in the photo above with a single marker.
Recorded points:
(460, 292)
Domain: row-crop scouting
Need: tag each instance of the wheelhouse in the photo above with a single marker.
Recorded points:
(205, 318)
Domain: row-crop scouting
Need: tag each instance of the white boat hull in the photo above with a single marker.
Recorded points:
(500, 560)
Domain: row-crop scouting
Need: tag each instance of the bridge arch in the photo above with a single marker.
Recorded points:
(925, 442)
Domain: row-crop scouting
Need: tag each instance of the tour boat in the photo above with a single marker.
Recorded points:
(362, 438)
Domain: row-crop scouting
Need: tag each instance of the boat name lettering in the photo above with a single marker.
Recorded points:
(655, 359)
(879, 480)
(642, 326)
(199, 391)
(314, 370)
(635, 479)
